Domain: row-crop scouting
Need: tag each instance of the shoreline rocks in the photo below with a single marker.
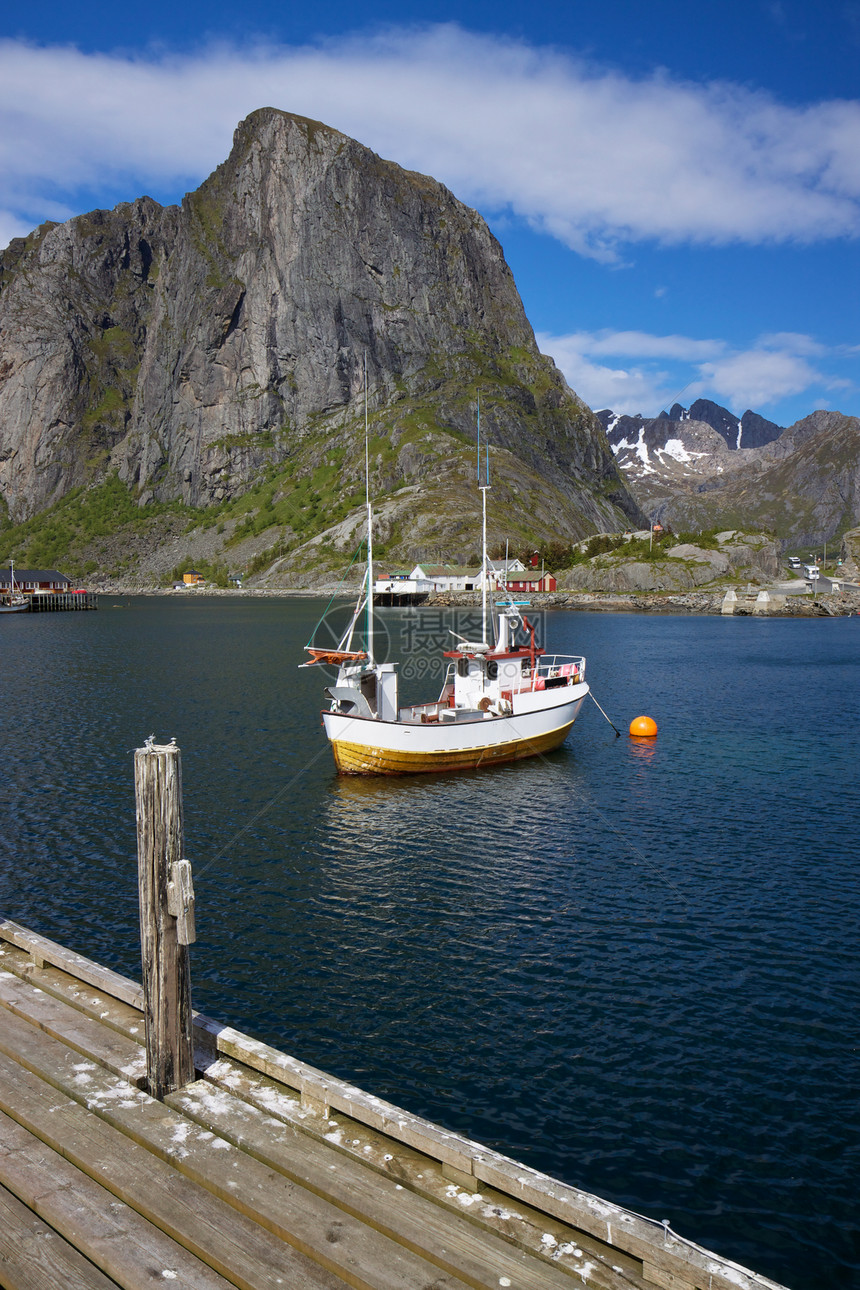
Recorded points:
(750, 603)
(840, 604)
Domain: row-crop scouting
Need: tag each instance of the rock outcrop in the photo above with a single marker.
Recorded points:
(192, 348)
(850, 555)
(681, 567)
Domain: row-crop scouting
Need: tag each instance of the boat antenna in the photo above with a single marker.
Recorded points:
(370, 657)
(479, 441)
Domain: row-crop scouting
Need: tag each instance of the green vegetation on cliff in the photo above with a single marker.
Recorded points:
(61, 535)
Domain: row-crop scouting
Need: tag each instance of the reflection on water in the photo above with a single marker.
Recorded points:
(629, 963)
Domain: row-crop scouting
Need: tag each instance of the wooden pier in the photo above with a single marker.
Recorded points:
(391, 599)
(54, 602)
(252, 1169)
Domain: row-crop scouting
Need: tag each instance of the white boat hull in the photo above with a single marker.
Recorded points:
(367, 746)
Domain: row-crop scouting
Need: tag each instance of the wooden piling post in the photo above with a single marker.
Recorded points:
(166, 917)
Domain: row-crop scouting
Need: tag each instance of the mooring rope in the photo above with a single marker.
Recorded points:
(612, 723)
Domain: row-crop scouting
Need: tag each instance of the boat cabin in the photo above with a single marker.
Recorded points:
(366, 690)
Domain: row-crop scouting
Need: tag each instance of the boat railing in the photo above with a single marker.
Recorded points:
(448, 683)
(559, 668)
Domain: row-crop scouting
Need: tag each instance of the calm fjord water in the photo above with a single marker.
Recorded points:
(631, 965)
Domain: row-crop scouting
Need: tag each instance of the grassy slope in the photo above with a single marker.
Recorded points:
(292, 506)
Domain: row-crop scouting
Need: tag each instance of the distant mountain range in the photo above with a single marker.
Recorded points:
(703, 467)
(748, 431)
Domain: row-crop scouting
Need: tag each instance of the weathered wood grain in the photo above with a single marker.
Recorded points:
(605, 1224)
(166, 970)
(43, 950)
(87, 1037)
(339, 1095)
(477, 1257)
(112, 1236)
(330, 1238)
(53, 1014)
(228, 1242)
(517, 1223)
(95, 1004)
(608, 1223)
(34, 1257)
(659, 1277)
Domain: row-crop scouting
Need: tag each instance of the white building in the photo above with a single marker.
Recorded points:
(426, 578)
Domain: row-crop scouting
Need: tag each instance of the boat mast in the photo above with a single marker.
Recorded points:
(370, 657)
(483, 487)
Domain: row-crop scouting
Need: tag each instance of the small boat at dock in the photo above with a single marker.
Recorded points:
(15, 602)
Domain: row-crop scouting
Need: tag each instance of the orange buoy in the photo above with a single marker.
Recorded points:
(643, 727)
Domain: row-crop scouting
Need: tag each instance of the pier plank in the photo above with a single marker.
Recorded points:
(62, 1022)
(444, 1145)
(53, 1011)
(115, 1238)
(228, 1242)
(92, 1002)
(477, 1256)
(43, 950)
(639, 1251)
(605, 1222)
(441, 1225)
(494, 1211)
(362, 1257)
(33, 1257)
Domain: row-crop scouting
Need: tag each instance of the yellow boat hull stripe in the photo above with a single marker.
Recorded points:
(367, 759)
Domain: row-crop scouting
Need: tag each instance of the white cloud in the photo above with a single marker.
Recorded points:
(756, 378)
(774, 368)
(586, 154)
(624, 389)
(793, 343)
(11, 226)
(640, 344)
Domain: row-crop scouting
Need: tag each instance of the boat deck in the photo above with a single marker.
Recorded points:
(264, 1172)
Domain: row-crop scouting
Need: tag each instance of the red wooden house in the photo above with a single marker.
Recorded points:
(531, 581)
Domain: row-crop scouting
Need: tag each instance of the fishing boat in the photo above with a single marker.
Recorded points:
(501, 700)
(16, 602)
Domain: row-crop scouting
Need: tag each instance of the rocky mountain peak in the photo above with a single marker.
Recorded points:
(192, 349)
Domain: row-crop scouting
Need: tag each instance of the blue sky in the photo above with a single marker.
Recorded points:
(676, 186)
